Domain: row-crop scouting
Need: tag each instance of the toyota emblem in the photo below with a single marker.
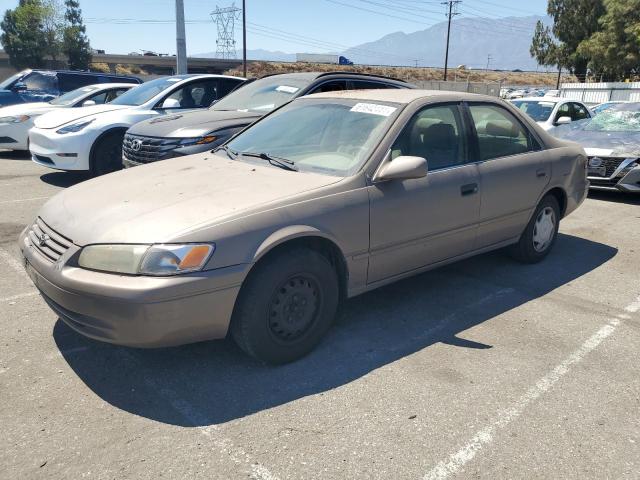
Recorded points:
(136, 145)
(42, 240)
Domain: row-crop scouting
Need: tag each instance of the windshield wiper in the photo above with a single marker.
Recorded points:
(230, 153)
(276, 161)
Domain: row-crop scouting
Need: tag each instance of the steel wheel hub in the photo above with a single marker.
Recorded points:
(294, 308)
(544, 229)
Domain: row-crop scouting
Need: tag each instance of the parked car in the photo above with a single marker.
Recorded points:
(550, 112)
(17, 120)
(158, 139)
(601, 107)
(328, 197)
(612, 142)
(91, 138)
(44, 85)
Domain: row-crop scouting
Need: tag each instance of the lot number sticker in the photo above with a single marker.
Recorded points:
(287, 89)
(374, 109)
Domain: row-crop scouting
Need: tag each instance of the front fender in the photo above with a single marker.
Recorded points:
(288, 233)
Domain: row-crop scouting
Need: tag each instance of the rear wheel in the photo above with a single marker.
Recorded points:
(286, 306)
(538, 238)
(107, 154)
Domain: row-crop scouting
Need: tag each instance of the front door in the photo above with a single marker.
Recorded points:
(414, 223)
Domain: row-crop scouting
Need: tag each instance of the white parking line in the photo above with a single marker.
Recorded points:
(19, 296)
(7, 258)
(22, 200)
(189, 413)
(484, 437)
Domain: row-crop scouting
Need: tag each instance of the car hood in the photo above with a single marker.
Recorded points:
(167, 200)
(27, 109)
(66, 115)
(192, 124)
(606, 144)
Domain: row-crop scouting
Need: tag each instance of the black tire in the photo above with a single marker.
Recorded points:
(529, 248)
(285, 306)
(107, 154)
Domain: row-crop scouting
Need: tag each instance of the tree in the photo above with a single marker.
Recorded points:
(23, 36)
(614, 51)
(573, 22)
(76, 45)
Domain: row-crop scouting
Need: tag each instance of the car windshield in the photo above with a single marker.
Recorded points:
(618, 118)
(263, 95)
(73, 96)
(7, 83)
(539, 110)
(328, 136)
(145, 92)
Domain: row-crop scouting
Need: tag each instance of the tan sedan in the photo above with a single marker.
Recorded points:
(328, 197)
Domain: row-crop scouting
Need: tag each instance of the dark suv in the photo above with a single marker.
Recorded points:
(44, 85)
(195, 132)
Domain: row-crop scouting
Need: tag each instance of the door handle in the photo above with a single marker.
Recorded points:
(541, 173)
(469, 189)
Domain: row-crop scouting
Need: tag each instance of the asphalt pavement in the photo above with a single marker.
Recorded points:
(484, 369)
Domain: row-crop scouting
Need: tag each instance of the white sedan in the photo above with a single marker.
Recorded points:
(550, 112)
(17, 120)
(91, 138)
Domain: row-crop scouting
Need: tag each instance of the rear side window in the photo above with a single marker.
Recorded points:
(500, 134)
(367, 85)
(69, 81)
(579, 112)
(434, 133)
(331, 86)
(226, 85)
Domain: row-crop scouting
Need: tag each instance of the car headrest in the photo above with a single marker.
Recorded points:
(501, 129)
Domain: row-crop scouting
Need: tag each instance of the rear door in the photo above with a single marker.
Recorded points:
(513, 170)
(419, 222)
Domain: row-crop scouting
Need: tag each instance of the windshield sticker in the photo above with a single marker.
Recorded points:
(287, 89)
(546, 104)
(269, 106)
(174, 79)
(373, 109)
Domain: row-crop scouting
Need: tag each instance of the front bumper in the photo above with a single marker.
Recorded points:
(624, 178)
(13, 136)
(135, 311)
(46, 147)
(155, 149)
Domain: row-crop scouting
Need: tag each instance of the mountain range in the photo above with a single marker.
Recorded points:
(502, 43)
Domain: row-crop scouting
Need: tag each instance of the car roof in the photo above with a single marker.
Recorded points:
(544, 99)
(316, 75)
(112, 85)
(202, 75)
(401, 95)
(76, 72)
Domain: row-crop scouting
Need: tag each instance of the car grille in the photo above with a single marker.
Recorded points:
(147, 149)
(610, 164)
(47, 241)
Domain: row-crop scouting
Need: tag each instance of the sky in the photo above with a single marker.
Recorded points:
(123, 26)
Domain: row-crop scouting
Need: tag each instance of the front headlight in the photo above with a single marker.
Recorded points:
(74, 127)
(156, 260)
(15, 119)
(204, 140)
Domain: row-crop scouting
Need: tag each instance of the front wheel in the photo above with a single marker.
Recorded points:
(538, 238)
(286, 306)
(107, 154)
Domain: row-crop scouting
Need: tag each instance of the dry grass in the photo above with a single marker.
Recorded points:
(411, 74)
(120, 69)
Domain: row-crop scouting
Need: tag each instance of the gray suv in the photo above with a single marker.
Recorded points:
(195, 132)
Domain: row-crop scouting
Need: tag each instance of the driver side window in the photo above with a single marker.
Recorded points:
(434, 133)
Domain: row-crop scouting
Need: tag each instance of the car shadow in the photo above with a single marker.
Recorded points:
(617, 197)
(64, 179)
(214, 382)
(15, 154)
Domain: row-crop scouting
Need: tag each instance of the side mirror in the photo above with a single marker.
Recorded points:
(19, 87)
(170, 103)
(563, 121)
(403, 168)
(88, 103)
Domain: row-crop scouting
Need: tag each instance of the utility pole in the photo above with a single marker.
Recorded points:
(450, 15)
(488, 62)
(244, 38)
(181, 39)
